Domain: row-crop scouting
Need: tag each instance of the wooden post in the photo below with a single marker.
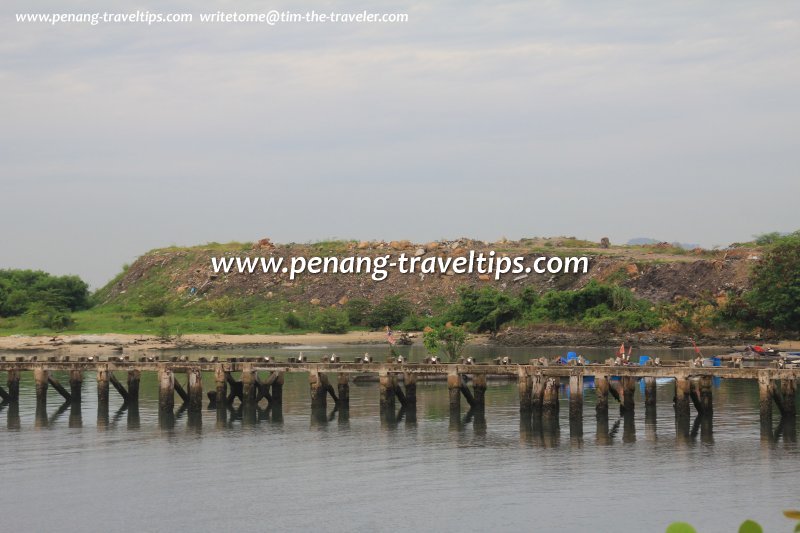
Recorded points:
(277, 390)
(706, 399)
(682, 387)
(248, 384)
(479, 388)
(319, 393)
(410, 382)
(195, 390)
(465, 391)
(694, 394)
(61, 390)
(629, 388)
(576, 396)
(102, 383)
(525, 385)
(134, 377)
(765, 396)
(454, 389)
(537, 391)
(221, 386)
(117, 385)
(789, 403)
(601, 387)
(649, 391)
(40, 377)
(386, 383)
(12, 381)
(166, 389)
(344, 389)
(550, 398)
(75, 385)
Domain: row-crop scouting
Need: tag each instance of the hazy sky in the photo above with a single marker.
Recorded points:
(674, 120)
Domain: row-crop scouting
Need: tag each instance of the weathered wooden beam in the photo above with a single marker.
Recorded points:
(466, 392)
(525, 385)
(248, 384)
(195, 385)
(694, 394)
(319, 393)
(788, 389)
(61, 390)
(75, 385)
(398, 392)
(537, 391)
(12, 381)
(221, 387)
(410, 384)
(649, 391)
(40, 378)
(387, 384)
(629, 389)
(601, 388)
(479, 390)
(262, 390)
(134, 377)
(765, 397)
(166, 389)
(117, 385)
(706, 395)
(682, 388)
(550, 398)
(4, 395)
(343, 383)
(181, 391)
(454, 391)
(576, 396)
(277, 389)
(102, 383)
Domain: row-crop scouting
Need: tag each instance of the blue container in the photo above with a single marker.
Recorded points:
(715, 361)
(643, 359)
(571, 356)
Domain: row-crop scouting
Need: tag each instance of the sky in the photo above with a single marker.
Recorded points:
(674, 120)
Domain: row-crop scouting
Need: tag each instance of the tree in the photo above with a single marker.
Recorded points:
(333, 321)
(486, 309)
(448, 338)
(775, 293)
(389, 312)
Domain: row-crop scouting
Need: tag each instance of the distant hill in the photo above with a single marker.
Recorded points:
(644, 241)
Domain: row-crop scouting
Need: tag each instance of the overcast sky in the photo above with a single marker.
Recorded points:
(673, 120)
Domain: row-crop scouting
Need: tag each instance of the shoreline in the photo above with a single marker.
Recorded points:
(83, 344)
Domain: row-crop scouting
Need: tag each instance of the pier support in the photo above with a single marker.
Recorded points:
(576, 396)
(12, 382)
(649, 392)
(387, 384)
(479, 391)
(134, 376)
(410, 383)
(75, 385)
(682, 387)
(40, 378)
(166, 389)
(788, 389)
(61, 390)
(525, 385)
(318, 383)
(248, 384)
(454, 390)
(537, 392)
(220, 387)
(343, 387)
(765, 396)
(117, 385)
(102, 383)
(195, 385)
(706, 395)
(277, 389)
(628, 390)
(601, 388)
(550, 398)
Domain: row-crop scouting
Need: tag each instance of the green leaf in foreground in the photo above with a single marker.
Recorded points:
(748, 526)
(680, 527)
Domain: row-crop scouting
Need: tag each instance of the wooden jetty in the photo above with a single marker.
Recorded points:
(252, 380)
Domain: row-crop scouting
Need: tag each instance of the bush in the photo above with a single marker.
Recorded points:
(20, 289)
(774, 299)
(390, 312)
(223, 307)
(487, 309)
(154, 306)
(292, 321)
(49, 317)
(357, 311)
(413, 322)
(449, 339)
(333, 321)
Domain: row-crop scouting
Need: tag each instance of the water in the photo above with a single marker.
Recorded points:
(125, 470)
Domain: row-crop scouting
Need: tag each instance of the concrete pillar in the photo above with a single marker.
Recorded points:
(75, 384)
(12, 380)
(102, 383)
(134, 376)
(649, 391)
(277, 390)
(316, 382)
(166, 389)
(706, 399)
(221, 388)
(248, 384)
(601, 388)
(195, 385)
(525, 384)
(41, 378)
(537, 391)
(576, 397)
(344, 389)
(682, 387)
(550, 398)
(454, 390)
(479, 390)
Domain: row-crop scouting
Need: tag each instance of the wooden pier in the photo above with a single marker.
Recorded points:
(252, 381)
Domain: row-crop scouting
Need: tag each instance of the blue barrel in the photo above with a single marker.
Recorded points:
(571, 356)
(716, 361)
(643, 359)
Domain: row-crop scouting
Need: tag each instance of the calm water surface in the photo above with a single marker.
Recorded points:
(219, 471)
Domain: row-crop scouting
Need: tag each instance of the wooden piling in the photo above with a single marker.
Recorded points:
(134, 377)
(454, 390)
(537, 391)
(40, 377)
(12, 383)
(576, 396)
(343, 386)
(466, 392)
(195, 385)
(248, 384)
(410, 384)
(649, 392)
(277, 389)
(184, 396)
(221, 386)
(319, 393)
(765, 397)
(629, 389)
(550, 398)
(75, 384)
(682, 387)
(788, 389)
(102, 383)
(694, 394)
(61, 390)
(387, 383)
(706, 395)
(479, 390)
(601, 388)
(166, 389)
(525, 385)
